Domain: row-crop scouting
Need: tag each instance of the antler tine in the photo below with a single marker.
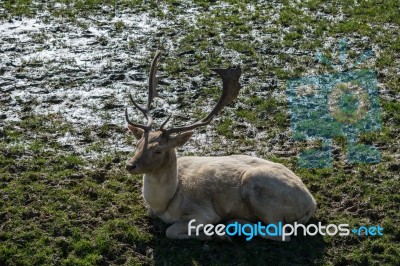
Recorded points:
(165, 122)
(230, 90)
(133, 124)
(153, 81)
(144, 111)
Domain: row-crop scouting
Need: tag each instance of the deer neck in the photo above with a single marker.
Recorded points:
(159, 186)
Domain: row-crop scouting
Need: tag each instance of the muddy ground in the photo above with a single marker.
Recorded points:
(66, 68)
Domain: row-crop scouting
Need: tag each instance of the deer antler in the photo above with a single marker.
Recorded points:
(153, 81)
(230, 90)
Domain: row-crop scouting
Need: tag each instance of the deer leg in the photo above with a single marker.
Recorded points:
(180, 230)
(150, 213)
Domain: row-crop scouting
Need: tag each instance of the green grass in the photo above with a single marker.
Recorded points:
(61, 207)
(55, 210)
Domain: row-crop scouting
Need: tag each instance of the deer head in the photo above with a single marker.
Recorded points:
(156, 148)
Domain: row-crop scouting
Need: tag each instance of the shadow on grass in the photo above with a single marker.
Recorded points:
(301, 250)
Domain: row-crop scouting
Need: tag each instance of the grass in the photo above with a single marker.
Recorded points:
(54, 210)
(62, 206)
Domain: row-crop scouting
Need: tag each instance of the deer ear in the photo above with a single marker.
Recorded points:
(137, 132)
(180, 139)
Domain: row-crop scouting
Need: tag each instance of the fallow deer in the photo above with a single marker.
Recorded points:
(211, 189)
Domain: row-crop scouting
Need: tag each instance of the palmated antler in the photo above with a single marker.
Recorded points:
(230, 90)
(153, 81)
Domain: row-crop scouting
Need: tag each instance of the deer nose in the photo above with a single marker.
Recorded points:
(130, 167)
